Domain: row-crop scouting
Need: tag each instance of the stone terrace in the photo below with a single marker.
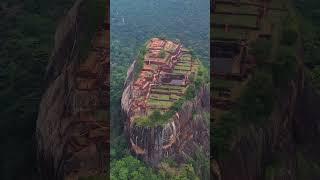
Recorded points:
(237, 23)
(164, 77)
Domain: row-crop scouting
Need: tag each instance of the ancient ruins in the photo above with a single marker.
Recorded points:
(236, 24)
(163, 78)
(163, 119)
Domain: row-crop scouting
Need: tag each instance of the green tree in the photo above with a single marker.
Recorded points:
(131, 168)
(186, 173)
(200, 160)
(140, 61)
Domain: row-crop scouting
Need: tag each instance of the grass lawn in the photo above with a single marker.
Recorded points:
(232, 34)
(173, 96)
(224, 83)
(187, 68)
(186, 57)
(160, 96)
(154, 90)
(184, 64)
(160, 104)
(179, 72)
(240, 20)
(157, 90)
(173, 87)
(237, 9)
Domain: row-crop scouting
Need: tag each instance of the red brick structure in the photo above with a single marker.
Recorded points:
(155, 70)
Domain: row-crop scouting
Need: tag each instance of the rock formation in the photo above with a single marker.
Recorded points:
(186, 130)
(72, 127)
(275, 148)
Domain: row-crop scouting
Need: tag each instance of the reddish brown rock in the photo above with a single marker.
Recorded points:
(72, 126)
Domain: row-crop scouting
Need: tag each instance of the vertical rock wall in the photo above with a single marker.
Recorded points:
(179, 138)
(270, 151)
(72, 128)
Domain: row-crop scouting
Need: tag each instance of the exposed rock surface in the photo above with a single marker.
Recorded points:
(179, 138)
(72, 129)
(273, 150)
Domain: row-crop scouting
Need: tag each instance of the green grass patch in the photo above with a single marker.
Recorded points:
(173, 96)
(186, 57)
(140, 61)
(178, 71)
(187, 64)
(157, 117)
(160, 104)
(186, 68)
(232, 34)
(221, 83)
(236, 9)
(158, 90)
(173, 87)
(159, 96)
(240, 20)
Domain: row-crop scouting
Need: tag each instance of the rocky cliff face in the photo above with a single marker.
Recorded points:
(272, 151)
(177, 139)
(72, 129)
